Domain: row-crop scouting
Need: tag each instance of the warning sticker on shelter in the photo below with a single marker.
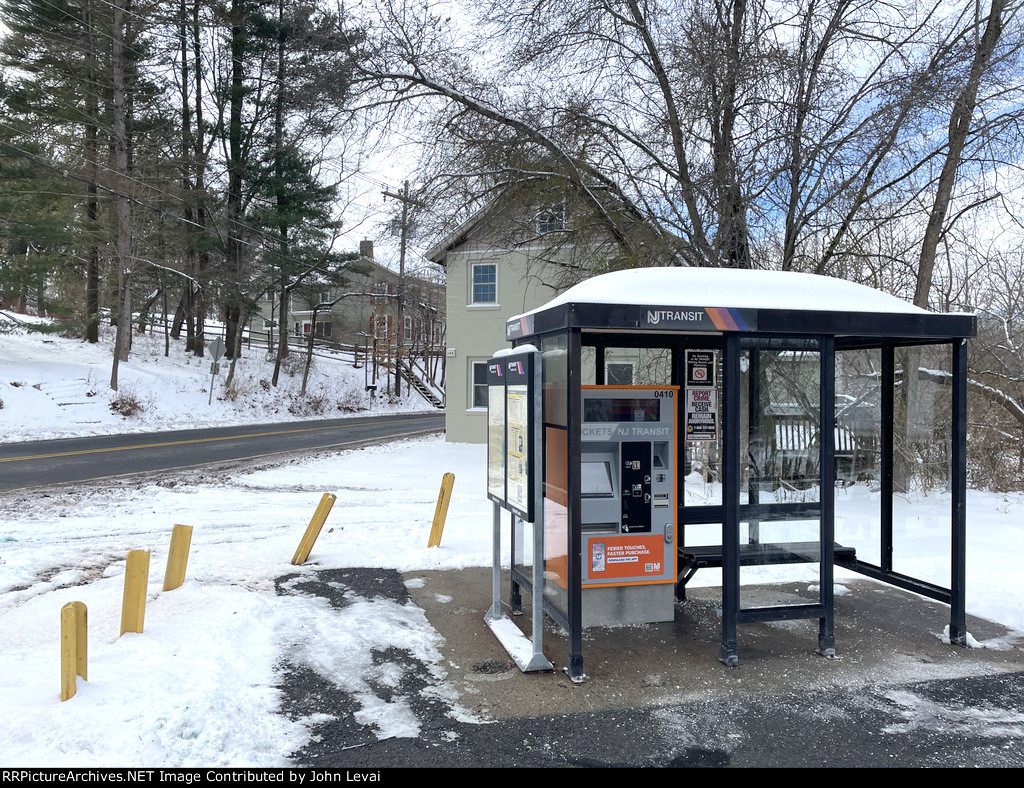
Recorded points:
(702, 414)
(700, 367)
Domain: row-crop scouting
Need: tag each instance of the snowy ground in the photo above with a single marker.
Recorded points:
(175, 695)
(54, 387)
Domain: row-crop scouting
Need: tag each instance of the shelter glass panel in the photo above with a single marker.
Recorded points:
(858, 456)
(588, 365)
(783, 427)
(700, 414)
(780, 543)
(555, 361)
(638, 366)
(619, 373)
(922, 444)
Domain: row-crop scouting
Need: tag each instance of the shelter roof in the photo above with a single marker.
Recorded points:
(719, 299)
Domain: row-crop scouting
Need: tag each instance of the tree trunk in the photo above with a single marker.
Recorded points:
(282, 330)
(201, 303)
(309, 353)
(92, 275)
(959, 128)
(167, 336)
(232, 319)
(236, 168)
(731, 238)
(282, 339)
(190, 324)
(181, 311)
(236, 340)
(124, 239)
(144, 312)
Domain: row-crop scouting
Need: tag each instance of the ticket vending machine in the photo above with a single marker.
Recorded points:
(628, 509)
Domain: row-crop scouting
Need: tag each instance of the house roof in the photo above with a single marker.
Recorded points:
(437, 252)
(511, 195)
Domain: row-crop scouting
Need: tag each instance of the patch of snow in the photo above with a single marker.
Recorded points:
(925, 714)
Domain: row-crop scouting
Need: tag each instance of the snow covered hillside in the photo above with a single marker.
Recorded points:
(55, 387)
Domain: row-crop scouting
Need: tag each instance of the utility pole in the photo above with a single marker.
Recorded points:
(406, 201)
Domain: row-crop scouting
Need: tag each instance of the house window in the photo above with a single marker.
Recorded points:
(408, 329)
(551, 219)
(383, 328)
(323, 329)
(485, 283)
(478, 395)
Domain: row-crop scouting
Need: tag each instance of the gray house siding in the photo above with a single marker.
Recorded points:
(515, 255)
(476, 328)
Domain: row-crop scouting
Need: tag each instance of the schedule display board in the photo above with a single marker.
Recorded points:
(513, 417)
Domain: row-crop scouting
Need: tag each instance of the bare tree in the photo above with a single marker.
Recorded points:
(770, 135)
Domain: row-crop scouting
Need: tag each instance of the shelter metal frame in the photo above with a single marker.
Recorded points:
(561, 332)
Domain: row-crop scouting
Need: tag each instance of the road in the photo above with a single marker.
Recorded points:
(73, 460)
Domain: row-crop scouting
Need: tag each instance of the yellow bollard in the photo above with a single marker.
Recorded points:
(313, 529)
(74, 647)
(177, 556)
(441, 512)
(136, 581)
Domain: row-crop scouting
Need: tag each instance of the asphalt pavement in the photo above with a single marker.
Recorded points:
(73, 460)
(656, 695)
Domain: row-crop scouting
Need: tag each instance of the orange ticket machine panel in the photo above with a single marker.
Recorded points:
(628, 484)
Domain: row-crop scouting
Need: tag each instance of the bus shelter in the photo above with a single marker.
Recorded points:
(709, 419)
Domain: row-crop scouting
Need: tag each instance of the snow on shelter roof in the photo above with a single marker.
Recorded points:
(731, 287)
(746, 295)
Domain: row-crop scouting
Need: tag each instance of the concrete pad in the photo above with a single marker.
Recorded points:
(884, 636)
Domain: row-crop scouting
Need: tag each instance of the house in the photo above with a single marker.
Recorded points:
(515, 254)
(378, 314)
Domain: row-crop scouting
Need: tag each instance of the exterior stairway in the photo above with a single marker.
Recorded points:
(416, 378)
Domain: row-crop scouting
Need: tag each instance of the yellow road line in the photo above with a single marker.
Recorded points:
(200, 440)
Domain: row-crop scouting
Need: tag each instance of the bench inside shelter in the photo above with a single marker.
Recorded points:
(695, 557)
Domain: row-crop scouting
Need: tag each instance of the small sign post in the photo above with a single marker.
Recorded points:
(217, 352)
